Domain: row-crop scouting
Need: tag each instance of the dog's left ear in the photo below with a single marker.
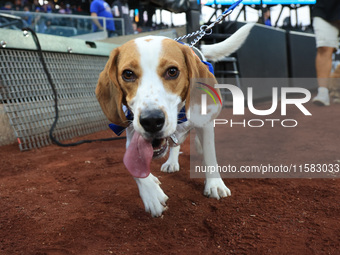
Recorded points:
(196, 70)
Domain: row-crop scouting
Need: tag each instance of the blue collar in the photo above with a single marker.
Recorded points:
(209, 65)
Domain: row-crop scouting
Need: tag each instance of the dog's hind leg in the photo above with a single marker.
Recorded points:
(198, 145)
(214, 185)
(172, 165)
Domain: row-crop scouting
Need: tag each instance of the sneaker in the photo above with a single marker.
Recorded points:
(322, 98)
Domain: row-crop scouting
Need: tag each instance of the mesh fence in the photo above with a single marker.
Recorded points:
(28, 99)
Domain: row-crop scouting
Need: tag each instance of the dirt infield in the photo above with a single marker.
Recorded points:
(82, 200)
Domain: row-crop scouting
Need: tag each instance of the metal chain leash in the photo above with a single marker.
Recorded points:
(207, 30)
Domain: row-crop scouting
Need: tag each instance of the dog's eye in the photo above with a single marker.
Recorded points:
(128, 75)
(171, 73)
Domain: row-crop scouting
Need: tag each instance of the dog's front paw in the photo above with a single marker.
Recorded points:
(170, 167)
(153, 197)
(215, 188)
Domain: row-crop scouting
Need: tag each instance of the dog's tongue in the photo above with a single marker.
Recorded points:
(138, 156)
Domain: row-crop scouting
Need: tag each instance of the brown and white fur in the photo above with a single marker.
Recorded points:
(152, 75)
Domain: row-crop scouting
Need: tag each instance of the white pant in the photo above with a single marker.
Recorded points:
(326, 34)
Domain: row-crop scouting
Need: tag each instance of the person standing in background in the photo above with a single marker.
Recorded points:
(18, 5)
(7, 7)
(120, 9)
(265, 18)
(100, 8)
(28, 16)
(326, 24)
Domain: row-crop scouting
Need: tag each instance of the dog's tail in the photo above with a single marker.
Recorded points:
(216, 52)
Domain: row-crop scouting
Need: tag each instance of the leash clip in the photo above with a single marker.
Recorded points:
(207, 30)
(174, 139)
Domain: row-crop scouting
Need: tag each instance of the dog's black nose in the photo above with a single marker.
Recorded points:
(152, 121)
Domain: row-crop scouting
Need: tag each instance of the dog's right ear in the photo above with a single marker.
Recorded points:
(109, 92)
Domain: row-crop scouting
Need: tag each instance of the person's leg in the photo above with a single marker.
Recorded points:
(323, 64)
(326, 41)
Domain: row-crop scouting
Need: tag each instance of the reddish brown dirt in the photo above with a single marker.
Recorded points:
(82, 200)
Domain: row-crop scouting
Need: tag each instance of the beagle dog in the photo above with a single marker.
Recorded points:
(149, 78)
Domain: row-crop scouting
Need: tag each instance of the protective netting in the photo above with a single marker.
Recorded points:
(28, 99)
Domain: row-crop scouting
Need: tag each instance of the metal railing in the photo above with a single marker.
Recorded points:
(68, 25)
